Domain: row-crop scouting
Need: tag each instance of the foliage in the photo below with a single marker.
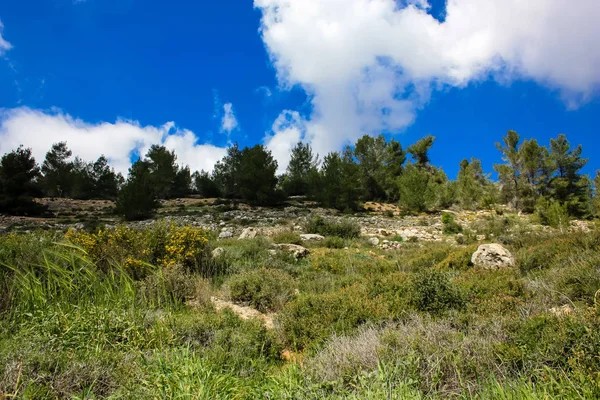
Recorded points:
(336, 182)
(334, 242)
(205, 185)
(266, 290)
(303, 163)
(450, 224)
(433, 292)
(345, 229)
(18, 186)
(138, 198)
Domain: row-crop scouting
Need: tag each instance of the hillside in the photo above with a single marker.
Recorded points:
(218, 300)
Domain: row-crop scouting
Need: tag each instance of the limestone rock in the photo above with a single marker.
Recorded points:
(374, 241)
(298, 251)
(492, 256)
(225, 235)
(248, 233)
(218, 252)
(311, 237)
(562, 311)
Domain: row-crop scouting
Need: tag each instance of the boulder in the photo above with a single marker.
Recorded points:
(298, 251)
(248, 233)
(374, 241)
(218, 252)
(225, 235)
(311, 237)
(492, 256)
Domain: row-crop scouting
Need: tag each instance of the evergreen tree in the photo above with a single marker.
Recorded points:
(337, 183)
(106, 181)
(509, 174)
(568, 186)
(205, 185)
(395, 158)
(163, 169)
(537, 170)
(137, 199)
(471, 184)
(57, 171)
(420, 151)
(415, 190)
(18, 183)
(371, 155)
(226, 173)
(256, 176)
(302, 163)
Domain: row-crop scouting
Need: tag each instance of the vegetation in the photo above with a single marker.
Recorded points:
(123, 312)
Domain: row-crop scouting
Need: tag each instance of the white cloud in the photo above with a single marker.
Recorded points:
(288, 129)
(369, 65)
(117, 141)
(229, 122)
(4, 44)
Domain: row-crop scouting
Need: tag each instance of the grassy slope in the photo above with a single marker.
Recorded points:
(418, 322)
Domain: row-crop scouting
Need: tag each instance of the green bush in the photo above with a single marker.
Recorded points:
(433, 292)
(288, 237)
(450, 225)
(334, 242)
(345, 229)
(264, 289)
(312, 318)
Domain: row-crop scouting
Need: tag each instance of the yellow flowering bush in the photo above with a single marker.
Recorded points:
(162, 245)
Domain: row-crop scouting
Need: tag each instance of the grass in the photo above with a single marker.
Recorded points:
(106, 315)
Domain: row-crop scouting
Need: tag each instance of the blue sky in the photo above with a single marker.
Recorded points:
(113, 76)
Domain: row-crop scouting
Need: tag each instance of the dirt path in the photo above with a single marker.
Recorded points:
(244, 312)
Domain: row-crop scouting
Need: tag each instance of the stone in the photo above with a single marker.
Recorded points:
(492, 256)
(225, 235)
(374, 241)
(248, 233)
(297, 251)
(218, 252)
(562, 311)
(311, 237)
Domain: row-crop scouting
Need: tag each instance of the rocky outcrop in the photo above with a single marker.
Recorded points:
(311, 237)
(492, 256)
(218, 252)
(248, 233)
(297, 251)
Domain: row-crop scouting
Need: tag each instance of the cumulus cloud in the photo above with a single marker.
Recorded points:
(229, 122)
(289, 128)
(4, 44)
(369, 65)
(118, 141)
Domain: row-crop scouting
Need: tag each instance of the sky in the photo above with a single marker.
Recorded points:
(114, 77)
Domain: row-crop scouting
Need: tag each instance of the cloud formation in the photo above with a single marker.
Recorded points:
(229, 122)
(369, 65)
(118, 141)
(4, 44)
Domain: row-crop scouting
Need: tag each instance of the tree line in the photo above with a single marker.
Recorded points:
(532, 178)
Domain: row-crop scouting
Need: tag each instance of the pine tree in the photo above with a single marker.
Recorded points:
(18, 183)
(57, 177)
(509, 174)
(302, 163)
(137, 199)
(256, 176)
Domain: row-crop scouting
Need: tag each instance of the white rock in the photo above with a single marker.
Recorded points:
(297, 251)
(225, 235)
(374, 241)
(218, 252)
(248, 233)
(311, 236)
(492, 256)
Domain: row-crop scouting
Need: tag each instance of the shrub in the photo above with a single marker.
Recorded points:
(167, 286)
(450, 225)
(552, 213)
(334, 242)
(264, 289)
(312, 318)
(459, 259)
(288, 237)
(433, 292)
(345, 229)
